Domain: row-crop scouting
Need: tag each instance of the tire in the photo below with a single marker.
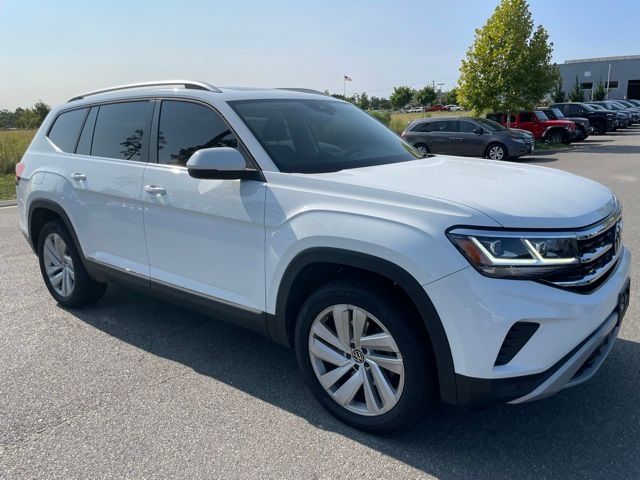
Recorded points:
(555, 136)
(422, 148)
(497, 151)
(599, 128)
(62, 268)
(410, 391)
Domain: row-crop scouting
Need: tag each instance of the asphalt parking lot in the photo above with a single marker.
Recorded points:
(135, 388)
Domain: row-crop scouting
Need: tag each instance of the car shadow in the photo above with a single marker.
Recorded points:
(582, 432)
(537, 158)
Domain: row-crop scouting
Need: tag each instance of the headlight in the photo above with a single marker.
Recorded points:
(514, 254)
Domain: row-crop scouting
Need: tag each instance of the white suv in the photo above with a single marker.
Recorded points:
(398, 279)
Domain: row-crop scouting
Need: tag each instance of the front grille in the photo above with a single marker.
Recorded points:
(528, 141)
(599, 250)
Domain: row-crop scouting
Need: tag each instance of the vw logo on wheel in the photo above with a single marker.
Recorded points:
(358, 356)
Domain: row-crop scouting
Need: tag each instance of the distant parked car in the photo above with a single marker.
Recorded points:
(415, 110)
(620, 120)
(536, 122)
(454, 108)
(629, 117)
(583, 127)
(437, 108)
(601, 121)
(630, 108)
(468, 136)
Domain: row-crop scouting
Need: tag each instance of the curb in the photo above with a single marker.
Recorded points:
(8, 203)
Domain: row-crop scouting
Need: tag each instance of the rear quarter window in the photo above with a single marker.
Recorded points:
(120, 130)
(66, 128)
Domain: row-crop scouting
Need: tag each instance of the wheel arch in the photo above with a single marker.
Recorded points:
(495, 142)
(40, 212)
(315, 266)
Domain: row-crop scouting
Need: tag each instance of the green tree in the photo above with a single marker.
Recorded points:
(600, 92)
(508, 67)
(576, 94)
(374, 103)
(385, 104)
(557, 94)
(42, 109)
(401, 96)
(425, 96)
(363, 101)
(28, 119)
(450, 97)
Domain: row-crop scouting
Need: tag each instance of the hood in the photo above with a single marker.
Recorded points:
(518, 133)
(516, 196)
(558, 123)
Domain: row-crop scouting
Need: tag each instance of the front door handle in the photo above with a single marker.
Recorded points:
(80, 177)
(155, 190)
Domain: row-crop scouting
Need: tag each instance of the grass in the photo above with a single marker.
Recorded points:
(7, 186)
(13, 144)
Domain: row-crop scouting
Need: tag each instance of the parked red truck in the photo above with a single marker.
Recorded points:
(536, 122)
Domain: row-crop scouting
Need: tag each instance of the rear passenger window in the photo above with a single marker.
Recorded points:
(187, 127)
(423, 127)
(467, 127)
(66, 128)
(119, 130)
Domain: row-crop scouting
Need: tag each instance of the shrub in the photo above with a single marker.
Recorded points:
(384, 117)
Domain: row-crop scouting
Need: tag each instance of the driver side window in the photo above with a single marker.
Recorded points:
(186, 127)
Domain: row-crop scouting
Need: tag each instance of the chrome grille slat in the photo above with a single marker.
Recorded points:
(589, 279)
(589, 257)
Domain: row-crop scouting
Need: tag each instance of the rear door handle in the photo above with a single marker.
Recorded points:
(80, 177)
(155, 190)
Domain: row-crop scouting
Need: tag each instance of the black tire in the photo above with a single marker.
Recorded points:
(420, 382)
(555, 137)
(421, 146)
(492, 150)
(583, 134)
(85, 290)
(599, 128)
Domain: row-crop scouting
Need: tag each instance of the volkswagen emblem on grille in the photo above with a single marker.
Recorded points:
(617, 237)
(357, 355)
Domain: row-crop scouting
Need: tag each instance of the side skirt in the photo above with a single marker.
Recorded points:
(219, 309)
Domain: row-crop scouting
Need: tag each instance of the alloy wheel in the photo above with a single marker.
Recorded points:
(356, 360)
(496, 153)
(58, 265)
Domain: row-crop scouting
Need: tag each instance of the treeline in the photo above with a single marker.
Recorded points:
(401, 97)
(24, 118)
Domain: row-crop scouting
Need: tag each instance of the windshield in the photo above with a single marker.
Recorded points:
(313, 136)
(597, 107)
(490, 124)
(541, 116)
(588, 107)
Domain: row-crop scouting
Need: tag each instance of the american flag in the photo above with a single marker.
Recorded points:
(347, 78)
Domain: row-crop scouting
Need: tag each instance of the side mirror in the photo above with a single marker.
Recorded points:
(478, 131)
(223, 163)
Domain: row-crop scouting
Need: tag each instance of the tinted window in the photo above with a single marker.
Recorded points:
(119, 131)
(65, 130)
(312, 136)
(496, 117)
(423, 127)
(490, 124)
(572, 109)
(444, 126)
(84, 144)
(467, 127)
(526, 117)
(540, 115)
(188, 127)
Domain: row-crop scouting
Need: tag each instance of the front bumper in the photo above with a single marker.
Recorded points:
(477, 313)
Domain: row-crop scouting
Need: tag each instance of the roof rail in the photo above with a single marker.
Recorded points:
(302, 90)
(190, 84)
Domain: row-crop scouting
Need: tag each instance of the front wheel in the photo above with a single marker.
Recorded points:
(422, 148)
(497, 152)
(365, 356)
(555, 137)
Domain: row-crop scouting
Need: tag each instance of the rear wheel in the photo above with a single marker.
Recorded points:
(62, 268)
(422, 148)
(364, 356)
(497, 151)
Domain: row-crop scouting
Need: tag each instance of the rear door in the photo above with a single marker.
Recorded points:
(104, 183)
(203, 236)
(443, 136)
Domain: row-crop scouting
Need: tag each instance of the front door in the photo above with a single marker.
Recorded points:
(471, 143)
(203, 236)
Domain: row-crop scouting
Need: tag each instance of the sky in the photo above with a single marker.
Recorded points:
(53, 50)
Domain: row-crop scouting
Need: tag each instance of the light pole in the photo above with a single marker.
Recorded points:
(606, 97)
(440, 93)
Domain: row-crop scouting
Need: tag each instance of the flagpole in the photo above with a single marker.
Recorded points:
(344, 87)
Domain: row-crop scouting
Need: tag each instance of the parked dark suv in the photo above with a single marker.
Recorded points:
(468, 136)
(601, 121)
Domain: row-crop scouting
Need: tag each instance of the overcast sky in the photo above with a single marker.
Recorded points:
(53, 50)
